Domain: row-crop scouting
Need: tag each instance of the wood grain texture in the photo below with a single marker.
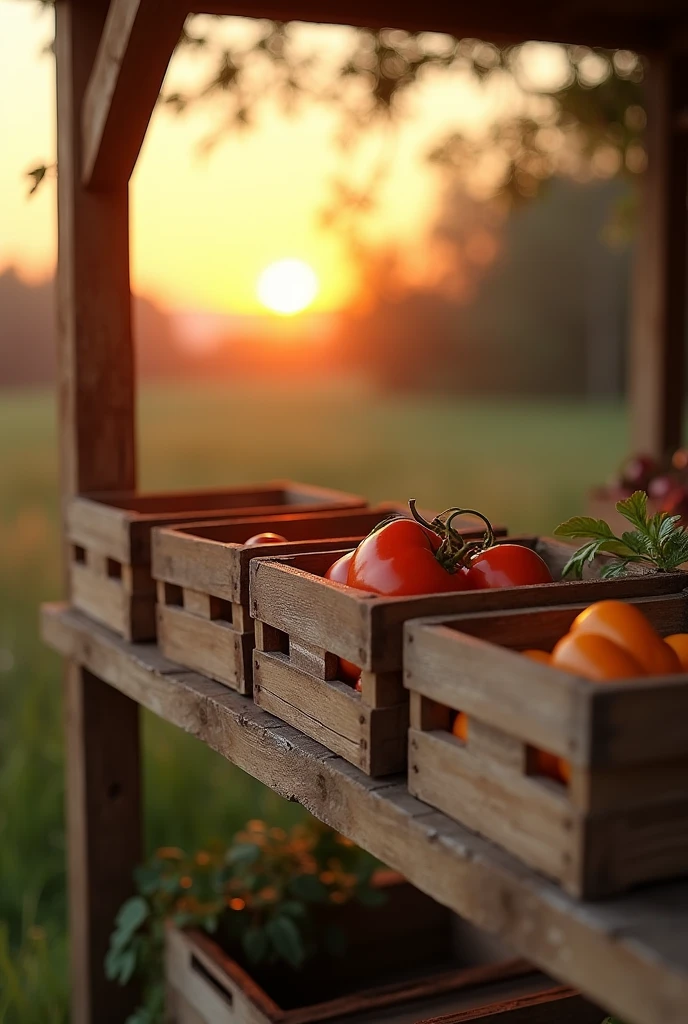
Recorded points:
(290, 594)
(212, 647)
(637, 25)
(657, 352)
(103, 815)
(634, 830)
(525, 815)
(629, 954)
(561, 1005)
(454, 662)
(217, 987)
(128, 72)
(97, 452)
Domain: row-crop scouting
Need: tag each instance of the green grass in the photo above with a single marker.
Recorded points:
(525, 463)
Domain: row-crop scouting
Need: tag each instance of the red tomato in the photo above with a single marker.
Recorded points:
(349, 672)
(507, 565)
(399, 559)
(265, 538)
(339, 570)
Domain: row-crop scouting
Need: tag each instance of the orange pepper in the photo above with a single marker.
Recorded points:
(679, 644)
(460, 726)
(542, 656)
(595, 657)
(625, 625)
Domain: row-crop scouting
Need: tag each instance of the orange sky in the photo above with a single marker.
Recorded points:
(203, 229)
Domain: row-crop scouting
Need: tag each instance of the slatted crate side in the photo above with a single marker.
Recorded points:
(622, 819)
(471, 663)
(560, 1005)
(210, 634)
(117, 528)
(212, 557)
(205, 986)
(289, 595)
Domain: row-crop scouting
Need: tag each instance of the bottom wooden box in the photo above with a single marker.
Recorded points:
(206, 986)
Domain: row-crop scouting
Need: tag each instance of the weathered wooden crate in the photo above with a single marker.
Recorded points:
(202, 574)
(622, 818)
(110, 538)
(402, 967)
(304, 623)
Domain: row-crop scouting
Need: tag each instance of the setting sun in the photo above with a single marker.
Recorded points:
(287, 286)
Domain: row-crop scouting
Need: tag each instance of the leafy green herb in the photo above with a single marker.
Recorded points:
(264, 893)
(658, 541)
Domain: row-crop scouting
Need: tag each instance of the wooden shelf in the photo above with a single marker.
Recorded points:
(629, 954)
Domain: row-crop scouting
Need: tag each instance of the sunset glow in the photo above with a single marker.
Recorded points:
(287, 287)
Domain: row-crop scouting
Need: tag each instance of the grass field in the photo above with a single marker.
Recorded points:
(525, 463)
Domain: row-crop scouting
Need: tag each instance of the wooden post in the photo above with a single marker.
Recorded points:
(657, 355)
(97, 452)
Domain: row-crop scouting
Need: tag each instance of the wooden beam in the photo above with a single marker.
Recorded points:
(97, 452)
(639, 24)
(103, 798)
(628, 954)
(657, 357)
(137, 42)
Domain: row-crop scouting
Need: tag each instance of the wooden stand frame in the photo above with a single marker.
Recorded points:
(111, 60)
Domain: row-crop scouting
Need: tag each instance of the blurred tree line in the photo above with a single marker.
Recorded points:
(519, 295)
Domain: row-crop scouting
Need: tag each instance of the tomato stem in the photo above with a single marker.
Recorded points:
(454, 551)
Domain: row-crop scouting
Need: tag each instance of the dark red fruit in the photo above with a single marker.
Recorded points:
(661, 487)
(637, 471)
(679, 460)
(676, 503)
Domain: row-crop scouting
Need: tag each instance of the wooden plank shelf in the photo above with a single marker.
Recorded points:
(629, 954)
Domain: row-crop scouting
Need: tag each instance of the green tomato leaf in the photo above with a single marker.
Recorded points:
(255, 943)
(668, 526)
(147, 879)
(584, 526)
(243, 854)
(292, 909)
(131, 915)
(371, 897)
(634, 509)
(127, 967)
(286, 940)
(637, 542)
(308, 888)
(615, 569)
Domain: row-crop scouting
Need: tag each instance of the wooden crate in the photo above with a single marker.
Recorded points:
(304, 623)
(623, 817)
(202, 574)
(110, 538)
(402, 967)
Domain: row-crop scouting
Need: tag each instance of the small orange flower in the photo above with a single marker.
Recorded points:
(202, 858)
(236, 904)
(255, 825)
(327, 877)
(338, 897)
(344, 841)
(186, 881)
(268, 894)
(278, 833)
(169, 853)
